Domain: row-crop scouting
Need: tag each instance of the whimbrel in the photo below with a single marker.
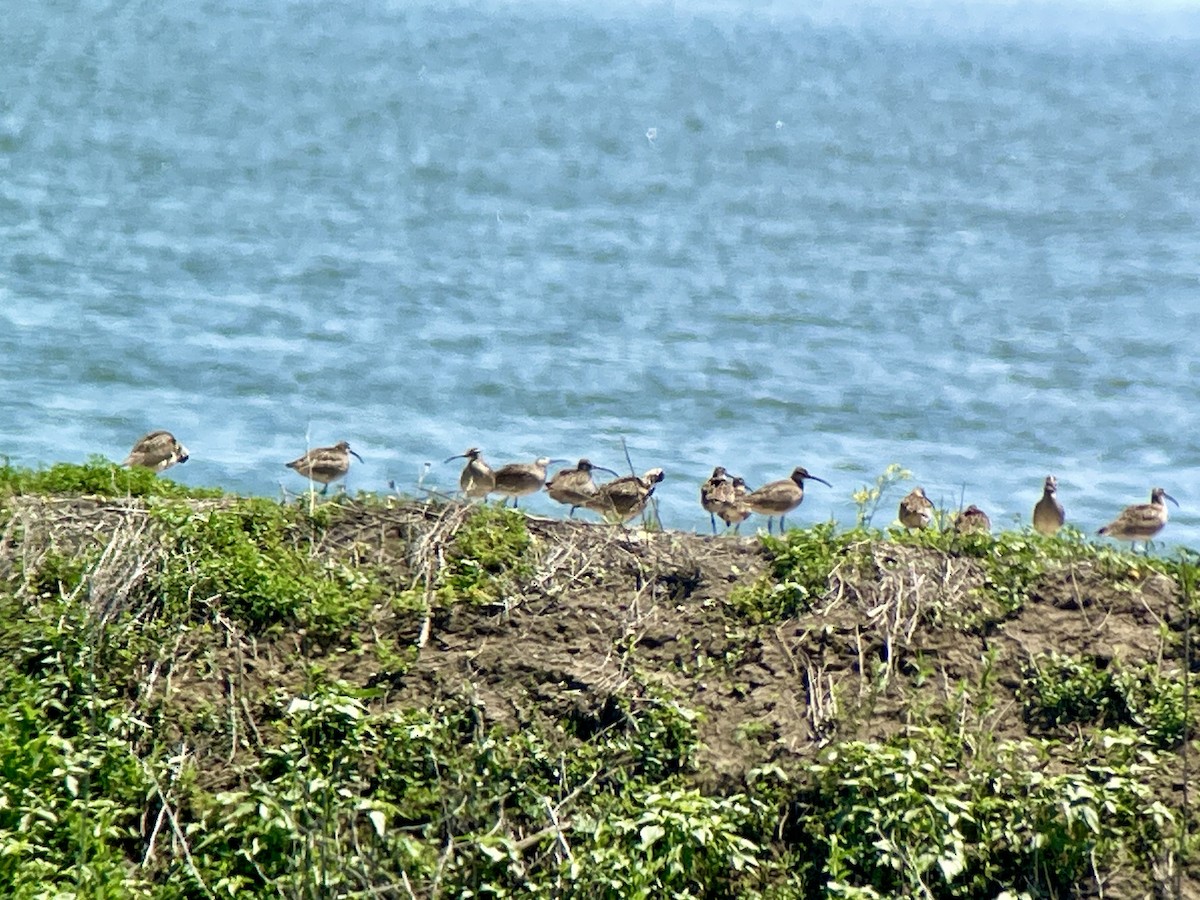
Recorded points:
(624, 498)
(972, 519)
(717, 490)
(1048, 515)
(575, 487)
(916, 510)
(157, 450)
(477, 479)
(325, 464)
(518, 479)
(1141, 521)
(735, 511)
(778, 498)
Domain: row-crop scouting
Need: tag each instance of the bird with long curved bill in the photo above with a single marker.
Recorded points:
(1140, 522)
(325, 464)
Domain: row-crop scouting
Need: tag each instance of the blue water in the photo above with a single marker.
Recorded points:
(963, 238)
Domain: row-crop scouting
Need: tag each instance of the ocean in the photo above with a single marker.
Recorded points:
(964, 238)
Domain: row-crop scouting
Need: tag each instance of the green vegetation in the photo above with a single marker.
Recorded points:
(97, 478)
(210, 696)
(252, 562)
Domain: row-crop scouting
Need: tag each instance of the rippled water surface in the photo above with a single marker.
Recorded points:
(732, 234)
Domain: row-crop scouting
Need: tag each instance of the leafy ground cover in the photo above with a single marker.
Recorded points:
(209, 696)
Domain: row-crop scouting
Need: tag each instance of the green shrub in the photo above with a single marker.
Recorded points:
(254, 560)
(802, 561)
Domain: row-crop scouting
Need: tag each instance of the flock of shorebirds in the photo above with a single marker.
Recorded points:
(619, 500)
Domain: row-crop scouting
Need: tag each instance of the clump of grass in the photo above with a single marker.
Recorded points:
(97, 477)
(479, 557)
(802, 561)
(488, 555)
(254, 560)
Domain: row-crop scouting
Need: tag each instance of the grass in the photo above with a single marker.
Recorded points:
(216, 697)
(96, 478)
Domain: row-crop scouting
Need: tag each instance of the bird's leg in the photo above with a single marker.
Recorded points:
(713, 519)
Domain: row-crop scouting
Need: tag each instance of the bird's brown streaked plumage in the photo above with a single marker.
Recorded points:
(519, 479)
(916, 510)
(778, 498)
(972, 519)
(1142, 521)
(575, 487)
(477, 479)
(1048, 514)
(157, 450)
(325, 464)
(735, 511)
(624, 498)
(718, 489)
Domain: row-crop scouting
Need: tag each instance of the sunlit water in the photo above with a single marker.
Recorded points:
(962, 238)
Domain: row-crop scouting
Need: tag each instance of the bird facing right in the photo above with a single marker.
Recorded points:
(1049, 515)
(575, 487)
(518, 479)
(325, 464)
(1141, 521)
(626, 497)
(778, 498)
(916, 509)
(157, 451)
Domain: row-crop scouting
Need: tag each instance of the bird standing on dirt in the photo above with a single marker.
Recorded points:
(1142, 521)
(157, 450)
(1048, 515)
(716, 490)
(518, 479)
(916, 510)
(624, 498)
(477, 479)
(325, 464)
(575, 487)
(778, 498)
(735, 511)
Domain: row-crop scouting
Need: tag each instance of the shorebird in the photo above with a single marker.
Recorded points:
(325, 464)
(518, 479)
(735, 511)
(575, 487)
(1048, 515)
(778, 498)
(972, 519)
(916, 510)
(477, 479)
(157, 450)
(624, 498)
(714, 492)
(1141, 521)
